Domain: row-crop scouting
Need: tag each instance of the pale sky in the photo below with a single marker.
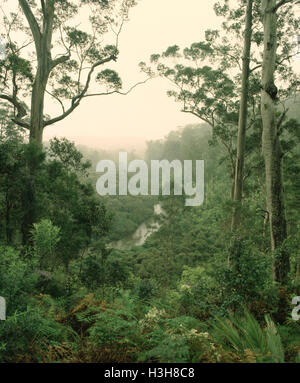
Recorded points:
(147, 113)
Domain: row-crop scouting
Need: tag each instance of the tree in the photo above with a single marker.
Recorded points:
(211, 93)
(45, 239)
(11, 175)
(271, 144)
(62, 66)
(204, 91)
(65, 57)
(287, 26)
(241, 139)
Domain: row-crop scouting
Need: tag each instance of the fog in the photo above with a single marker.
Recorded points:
(146, 113)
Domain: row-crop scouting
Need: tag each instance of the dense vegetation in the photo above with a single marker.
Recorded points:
(128, 211)
(215, 283)
(168, 300)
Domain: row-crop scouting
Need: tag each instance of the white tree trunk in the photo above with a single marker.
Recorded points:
(271, 145)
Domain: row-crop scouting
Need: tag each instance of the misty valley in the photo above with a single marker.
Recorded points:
(149, 210)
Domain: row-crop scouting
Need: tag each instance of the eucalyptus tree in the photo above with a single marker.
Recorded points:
(11, 170)
(71, 40)
(56, 49)
(217, 81)
(205, 79)
(274, 27)
(210, 82)
(243, 115)
(274, 14)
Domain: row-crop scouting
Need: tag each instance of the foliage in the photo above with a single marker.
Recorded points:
(244, 334)
(193, 291)
(45, 238)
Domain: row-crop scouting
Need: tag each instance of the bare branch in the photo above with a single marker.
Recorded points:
(256, 67)
(117, 91)
(283, 2)
(77, 99)
(57, 99)
(118, 32)
(23, 46)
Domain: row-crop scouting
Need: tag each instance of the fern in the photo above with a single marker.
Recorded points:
(244, 334)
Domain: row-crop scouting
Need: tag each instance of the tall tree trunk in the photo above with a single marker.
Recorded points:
(8, 228)
(238, 182)
(29, 208)
(42, 36)
(37, 102)
(271, 145)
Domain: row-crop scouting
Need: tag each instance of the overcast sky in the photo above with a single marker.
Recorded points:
(147, 113)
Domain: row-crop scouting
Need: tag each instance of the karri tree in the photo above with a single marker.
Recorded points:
(205, 79)
(243, 115)
(271, 144)
(205, 91)
(71, 41)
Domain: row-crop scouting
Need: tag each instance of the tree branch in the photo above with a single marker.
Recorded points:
(78, 99)
(20, 108)
(62, 116)
(117, 91)
(87, 84)
(287, 58)
(34, 27)
(21, 123)
(254, 68)
(43, 7)
(283, 2)
(60, 60)
(282, 117)
(210, 123)
(57, 99)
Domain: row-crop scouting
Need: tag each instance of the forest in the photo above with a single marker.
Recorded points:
(86, 278)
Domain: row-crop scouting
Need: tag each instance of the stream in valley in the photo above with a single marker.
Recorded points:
(139, 237)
